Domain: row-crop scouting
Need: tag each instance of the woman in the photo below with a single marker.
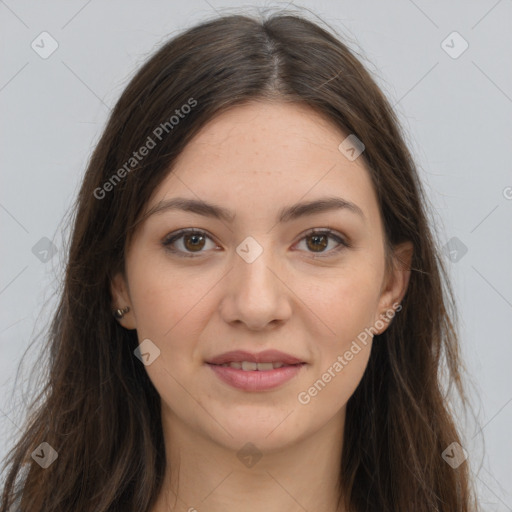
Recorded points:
(253, 315)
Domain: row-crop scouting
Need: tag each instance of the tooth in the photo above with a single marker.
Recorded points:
(265, 366)
(251, 366)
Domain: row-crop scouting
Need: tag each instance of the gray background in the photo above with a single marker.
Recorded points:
(456, 112)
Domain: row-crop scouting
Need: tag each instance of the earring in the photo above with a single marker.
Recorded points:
(119, 313)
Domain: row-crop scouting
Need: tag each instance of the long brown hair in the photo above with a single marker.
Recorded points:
(98, 408)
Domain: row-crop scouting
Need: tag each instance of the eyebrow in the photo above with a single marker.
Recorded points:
(286, 214)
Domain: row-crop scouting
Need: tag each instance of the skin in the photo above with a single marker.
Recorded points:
(256, 159)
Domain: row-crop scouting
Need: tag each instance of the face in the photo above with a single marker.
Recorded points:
(308, 282)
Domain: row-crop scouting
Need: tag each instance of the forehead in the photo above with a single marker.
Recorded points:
(261, 156)
(276, 133)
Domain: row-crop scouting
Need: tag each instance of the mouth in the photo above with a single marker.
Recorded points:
(250, 366)
(261, 361)
(256, 372)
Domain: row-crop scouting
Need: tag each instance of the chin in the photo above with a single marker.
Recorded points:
(267, 430)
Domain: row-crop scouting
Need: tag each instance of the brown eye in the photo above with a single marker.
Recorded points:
(187, 242)
(317, 242)
(193, 242)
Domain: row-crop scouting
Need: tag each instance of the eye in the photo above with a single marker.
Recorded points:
(194, 240)
(317, 240)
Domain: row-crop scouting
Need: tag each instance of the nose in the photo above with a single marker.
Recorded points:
(257, 293)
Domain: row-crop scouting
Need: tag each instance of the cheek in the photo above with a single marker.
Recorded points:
(164, 301)
(347, 305)
(172, 309)
(342, 358)
(346, 302)
(337, 381)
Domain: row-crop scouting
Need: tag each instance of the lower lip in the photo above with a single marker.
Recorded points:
(256, 380)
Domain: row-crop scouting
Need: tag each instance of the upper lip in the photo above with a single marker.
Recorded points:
(267, 356)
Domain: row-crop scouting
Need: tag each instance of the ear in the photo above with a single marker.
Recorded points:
(395, 284)
(121, 299)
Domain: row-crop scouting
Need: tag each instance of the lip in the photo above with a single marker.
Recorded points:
(256, 380)
(267, 356)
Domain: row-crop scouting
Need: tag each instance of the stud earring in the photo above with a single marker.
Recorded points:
(119, 313)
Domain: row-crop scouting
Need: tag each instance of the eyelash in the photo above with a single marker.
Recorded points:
(173, 237)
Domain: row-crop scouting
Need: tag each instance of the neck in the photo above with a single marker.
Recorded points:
(202, 475)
